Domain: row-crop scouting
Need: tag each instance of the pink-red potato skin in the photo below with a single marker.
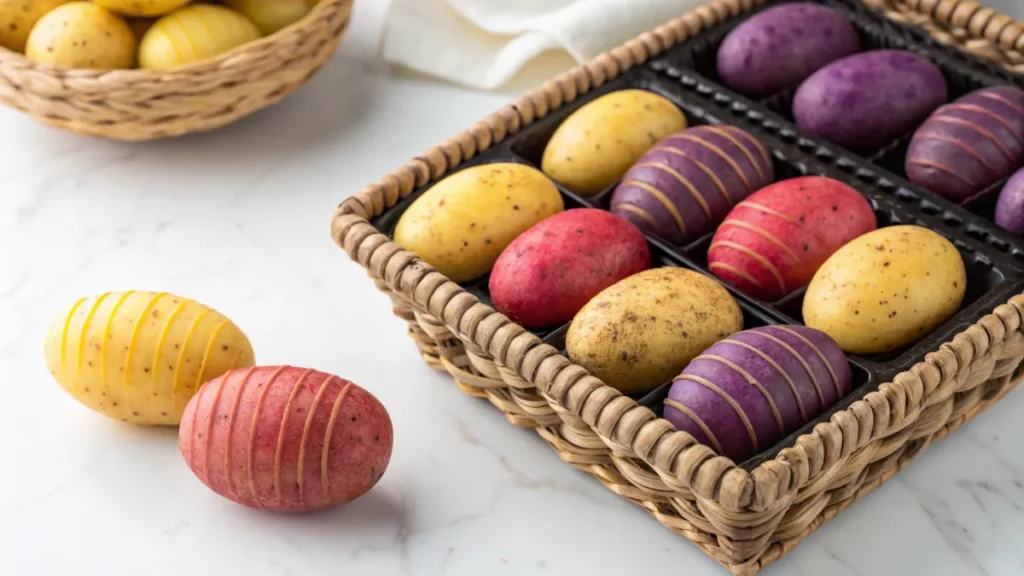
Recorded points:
(286, 439)
(553, 269)
(773, 242)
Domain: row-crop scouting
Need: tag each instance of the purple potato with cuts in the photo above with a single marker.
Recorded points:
(864, 101)
(970, 144)
(684, 186)
(1010, 206)
(745, 393)
(780, 47)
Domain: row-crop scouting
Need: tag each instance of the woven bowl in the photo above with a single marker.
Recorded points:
(137, 105)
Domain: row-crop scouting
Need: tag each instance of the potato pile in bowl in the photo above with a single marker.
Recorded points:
(147, 34)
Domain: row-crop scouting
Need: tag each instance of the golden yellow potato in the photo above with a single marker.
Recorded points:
(194, 33)
(272, 15)
(82, 35)
(140, 356)
(17, 17)
(596, 144)
(142, 7)
(642, 331)
(886, 289)
(461, 225)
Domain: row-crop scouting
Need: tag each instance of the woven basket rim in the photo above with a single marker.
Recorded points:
(220, 61)
(674, 455)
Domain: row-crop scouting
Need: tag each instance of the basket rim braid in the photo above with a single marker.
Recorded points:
(975, 28)
(137, 105)
(743, 519)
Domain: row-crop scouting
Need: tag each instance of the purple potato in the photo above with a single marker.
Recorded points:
(970, 144)
(684, 186)
(866, 100)
(780, 47)
(1010, 206)
(746, 392)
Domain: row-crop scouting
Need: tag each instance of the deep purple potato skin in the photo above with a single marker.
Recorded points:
(722, 165)
(722, 365)
(780, 47)
(970, 144)
(1010, 206)
(866, 100)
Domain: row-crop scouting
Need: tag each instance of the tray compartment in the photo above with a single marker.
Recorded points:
(991, 276)
(693, 66)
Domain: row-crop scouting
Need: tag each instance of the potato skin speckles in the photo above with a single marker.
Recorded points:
(643, 330)
(115, 356)
(82, 35)
(553, 269)
(772, 243)
(461, 225)
(597, 143)
(18, 17)
(285, 438)
(854, 295)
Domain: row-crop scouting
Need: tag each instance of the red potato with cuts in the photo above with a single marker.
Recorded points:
(286, 439)
(772, 243)
(547, 274)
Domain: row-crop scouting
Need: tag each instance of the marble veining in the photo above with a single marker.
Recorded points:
(238, 219)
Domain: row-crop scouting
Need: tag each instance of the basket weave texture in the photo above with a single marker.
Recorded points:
(138, 105)
(964, 23)
(745, 520)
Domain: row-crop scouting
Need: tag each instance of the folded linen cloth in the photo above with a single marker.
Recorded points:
(483, 44)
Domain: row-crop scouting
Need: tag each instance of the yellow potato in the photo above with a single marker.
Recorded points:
(82, 35)
(140, 356)
(194, 33)
(142, 7)
(461, 225)
(886, 289)
(642, 331)
(17, 17)
(597, 143)
(272, 15)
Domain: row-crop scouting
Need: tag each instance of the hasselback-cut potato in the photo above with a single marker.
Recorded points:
(285, 438)
(684, 186)
(772, 243)
(140, 356)
(969, 144)
(748, 391)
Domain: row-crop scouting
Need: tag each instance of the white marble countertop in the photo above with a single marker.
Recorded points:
(238, 219)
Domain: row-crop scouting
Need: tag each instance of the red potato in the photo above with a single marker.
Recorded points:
(547, 274)
(286, 439)
(772, 243)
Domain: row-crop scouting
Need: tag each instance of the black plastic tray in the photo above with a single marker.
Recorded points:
(693, 65)
(993, 258)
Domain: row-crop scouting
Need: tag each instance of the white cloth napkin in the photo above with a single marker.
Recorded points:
(483, 44)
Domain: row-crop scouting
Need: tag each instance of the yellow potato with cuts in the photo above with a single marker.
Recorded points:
(461, 225)
(141, 8)
(17, 17)
(886, 289)
(139, 357)
(272, 15)
(194, 33)
(82, 35)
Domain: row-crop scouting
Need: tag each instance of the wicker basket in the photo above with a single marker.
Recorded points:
(744, 519)
(145, 105)
(975, 28)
